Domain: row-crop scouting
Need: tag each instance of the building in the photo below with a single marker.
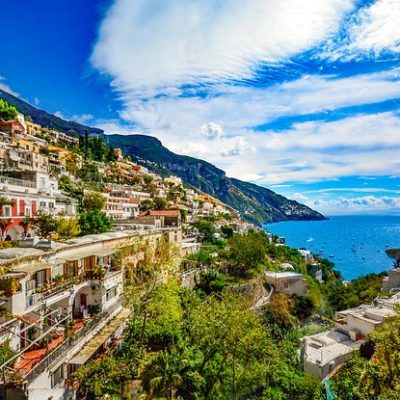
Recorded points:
(28, 196)
(121, 205)
(12, 127)
(306, 254)
(324, 352)
(64, 307)
(288, 282)
(164, 218)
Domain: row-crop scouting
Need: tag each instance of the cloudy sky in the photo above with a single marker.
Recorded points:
(300, 96)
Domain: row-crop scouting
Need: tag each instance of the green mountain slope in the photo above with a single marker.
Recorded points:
(256, 203)
(45, 119)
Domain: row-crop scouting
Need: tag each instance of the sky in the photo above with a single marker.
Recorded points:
(302, 97)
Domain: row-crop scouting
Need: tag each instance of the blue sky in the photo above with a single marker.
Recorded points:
(302, 97)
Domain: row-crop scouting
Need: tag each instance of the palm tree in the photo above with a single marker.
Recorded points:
(171, 374)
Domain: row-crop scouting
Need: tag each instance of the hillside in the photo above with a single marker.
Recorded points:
(45, 119)
(256, 203)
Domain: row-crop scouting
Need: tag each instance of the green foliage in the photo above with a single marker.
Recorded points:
(381, 377)
(90, 173)
(206, 230)
(44, 224)
(67, 228)
(212, 282)
(247, 253)
(96, 148)
(345, 381)
(159, 203)
(227, 231)
(362, 290)
(147, 179)
(5, 350)
(93, 201)
(94, 221)
(7, 112)
(104, 377)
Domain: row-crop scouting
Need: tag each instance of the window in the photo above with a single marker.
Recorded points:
(42, 204)
(51, 205)
(57, 376)
(7, 211)
(27, 211)
(30, 285)
(111, 293)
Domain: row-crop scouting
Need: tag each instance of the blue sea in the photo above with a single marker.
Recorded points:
(356, 244)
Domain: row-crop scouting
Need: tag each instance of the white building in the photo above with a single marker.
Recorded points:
(324, 352)
(288, 282)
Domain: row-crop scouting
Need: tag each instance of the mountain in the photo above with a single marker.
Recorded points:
(45, 119)
(257, 204)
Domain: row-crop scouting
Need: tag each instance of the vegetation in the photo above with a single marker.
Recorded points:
(94, 221)
(7, 111)
(200, 348)
(93, 201)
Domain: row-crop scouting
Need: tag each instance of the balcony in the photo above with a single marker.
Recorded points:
(17, 182)
(42, 359)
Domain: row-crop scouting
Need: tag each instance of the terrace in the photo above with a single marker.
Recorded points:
(54, 344)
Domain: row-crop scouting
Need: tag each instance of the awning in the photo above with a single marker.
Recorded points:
(32, 267)
(77, 254)
(90, 348)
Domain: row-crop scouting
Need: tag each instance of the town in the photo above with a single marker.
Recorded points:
(79, 221)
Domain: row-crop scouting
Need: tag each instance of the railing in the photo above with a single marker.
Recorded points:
(57, 289)
(18, 182)
(69, 343)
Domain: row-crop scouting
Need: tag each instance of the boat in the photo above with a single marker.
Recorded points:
(309, 240)
(331, 256)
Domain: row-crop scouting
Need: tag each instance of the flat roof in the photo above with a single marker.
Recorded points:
(285, 274)
(15, 253)
(325, 347)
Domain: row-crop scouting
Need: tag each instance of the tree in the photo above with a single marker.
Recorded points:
(159, 203)
(44, 224)
(145, 205)
(93, 201)
(206, 230)
(212, 282)
(381, 377)
(7, 111)
(94, 221)
(104, 377)
(247, 252)
(147, 179)
(67, 228)
(227, 231)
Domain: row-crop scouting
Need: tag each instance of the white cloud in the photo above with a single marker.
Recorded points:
(350, 205)
(211, 130)
(6, 88)
(175, 65)
(148, 44)
(373, 30)
(80, 118)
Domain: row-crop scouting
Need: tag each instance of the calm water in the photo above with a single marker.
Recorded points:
(356, 244)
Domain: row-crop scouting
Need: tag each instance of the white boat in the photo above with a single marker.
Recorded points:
(309, 240)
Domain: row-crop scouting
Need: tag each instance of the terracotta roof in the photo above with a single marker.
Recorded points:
(165, 213)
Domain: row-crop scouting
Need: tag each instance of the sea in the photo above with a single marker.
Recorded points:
(355, 244)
